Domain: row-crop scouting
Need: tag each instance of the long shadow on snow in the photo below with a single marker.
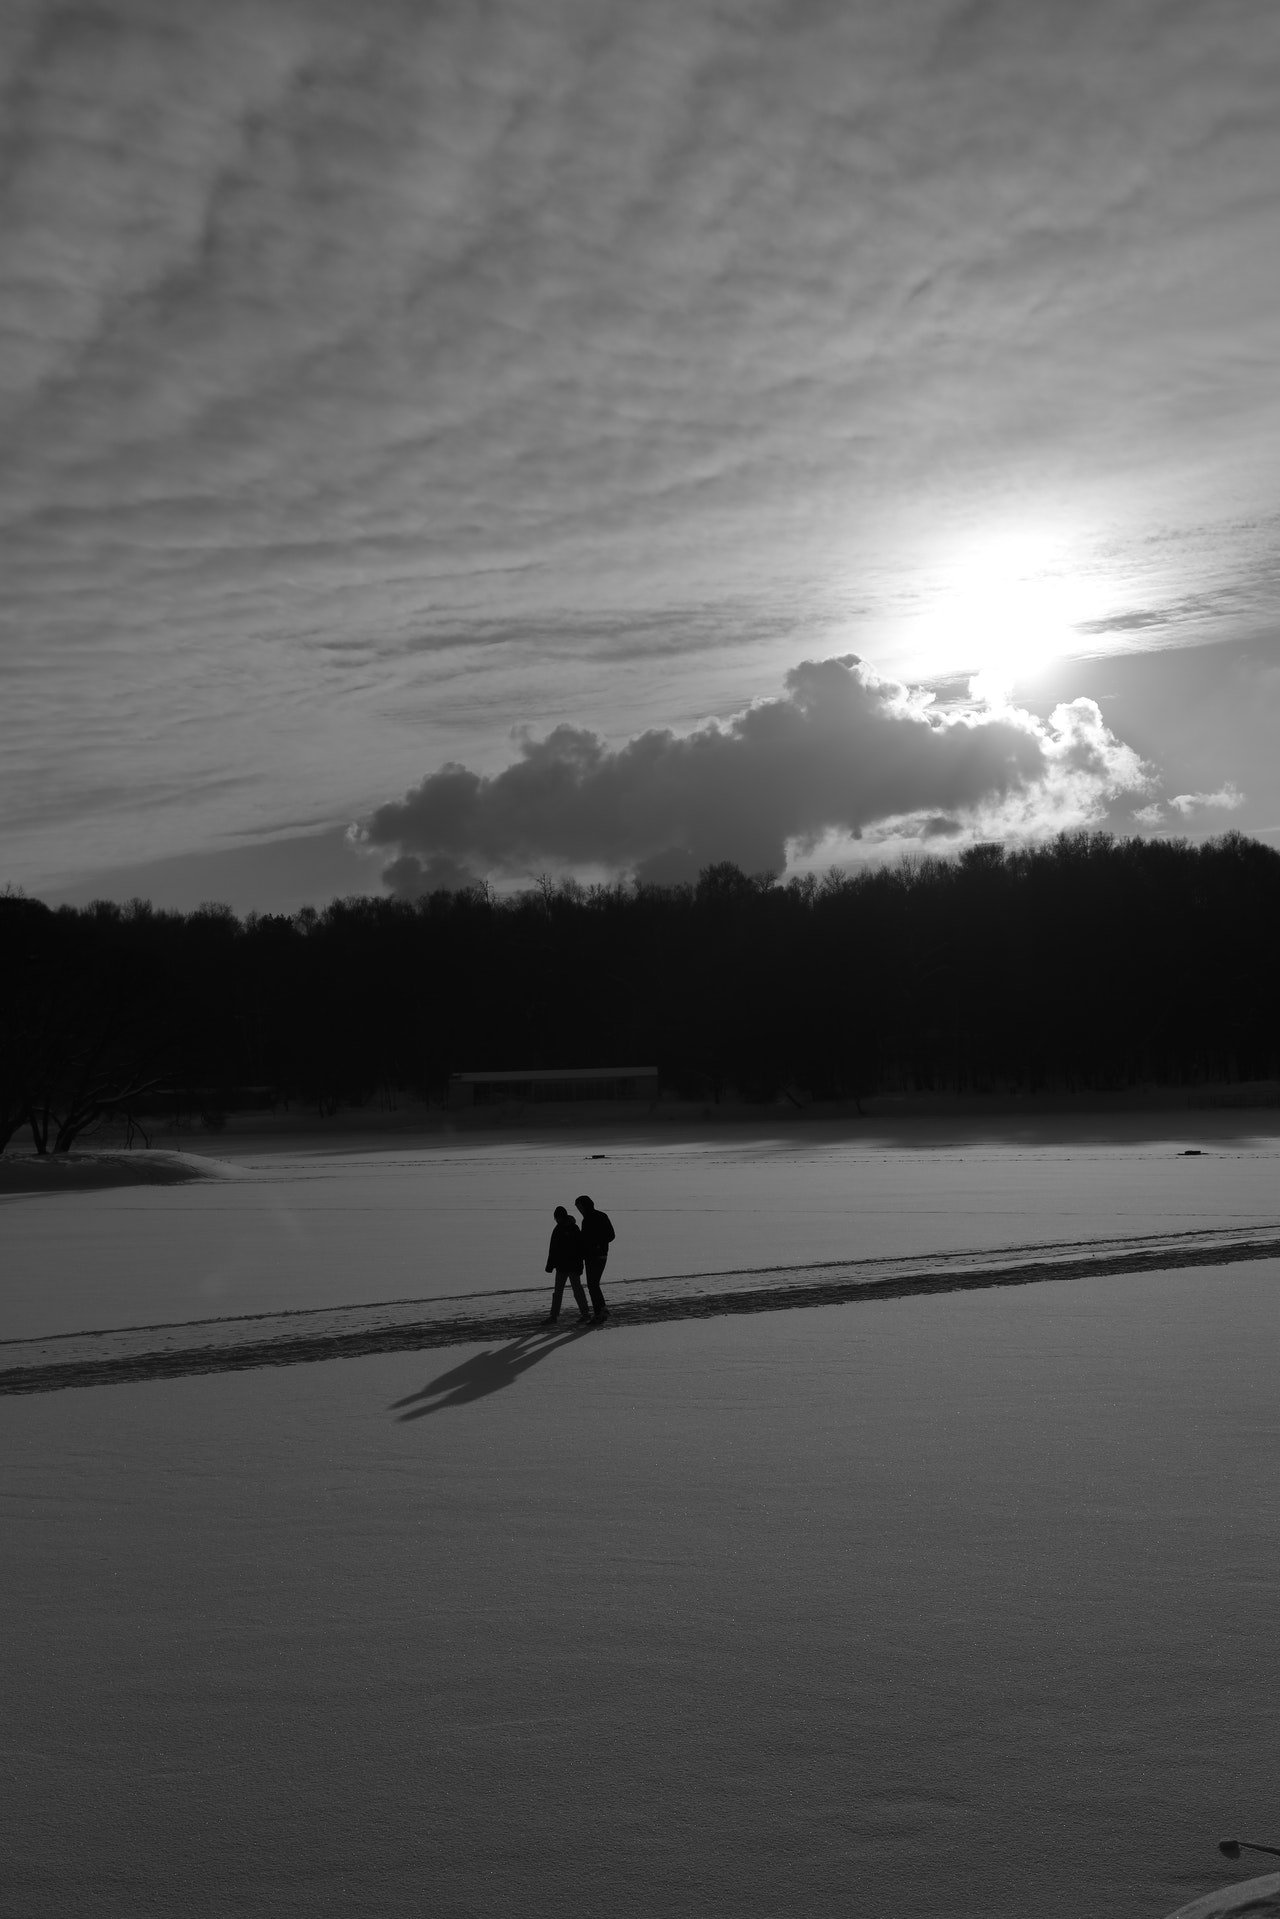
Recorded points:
(485, 1373)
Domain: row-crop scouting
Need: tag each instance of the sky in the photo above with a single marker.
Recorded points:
(479, 441)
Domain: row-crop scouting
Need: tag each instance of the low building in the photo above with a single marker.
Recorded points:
(557, 1082)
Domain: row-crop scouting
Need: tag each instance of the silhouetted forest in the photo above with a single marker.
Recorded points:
(1087, 964)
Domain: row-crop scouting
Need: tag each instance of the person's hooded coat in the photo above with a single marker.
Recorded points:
(565, 1252)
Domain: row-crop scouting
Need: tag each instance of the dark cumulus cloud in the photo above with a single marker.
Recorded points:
(841, 748)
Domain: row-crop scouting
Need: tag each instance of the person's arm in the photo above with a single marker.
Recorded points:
(551, 1256)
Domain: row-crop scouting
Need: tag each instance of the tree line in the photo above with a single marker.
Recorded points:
(1088, 964)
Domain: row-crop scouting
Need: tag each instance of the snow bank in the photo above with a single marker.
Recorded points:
(78, 1172)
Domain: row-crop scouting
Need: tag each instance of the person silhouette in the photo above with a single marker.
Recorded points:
(597, 1234)
(564, 1259)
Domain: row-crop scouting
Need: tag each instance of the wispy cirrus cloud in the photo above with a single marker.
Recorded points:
(1185, 807)
(1228, 799)
(351, 348)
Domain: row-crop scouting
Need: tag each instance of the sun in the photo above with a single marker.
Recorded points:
(1000, 610)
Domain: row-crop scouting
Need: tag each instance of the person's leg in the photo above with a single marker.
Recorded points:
(594, 1269)
(584, 1310)
(557, 1296)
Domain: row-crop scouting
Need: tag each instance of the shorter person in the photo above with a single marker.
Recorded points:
(597, 1235)
(564, 1259)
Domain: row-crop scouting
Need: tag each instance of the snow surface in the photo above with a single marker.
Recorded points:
(1256, 1898)
(949, 1608)
(959, 1607)
(323, 1227)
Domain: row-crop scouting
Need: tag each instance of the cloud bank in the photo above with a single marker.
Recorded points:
(840, 749)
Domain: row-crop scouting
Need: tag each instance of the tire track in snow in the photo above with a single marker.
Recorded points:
(126, 1354)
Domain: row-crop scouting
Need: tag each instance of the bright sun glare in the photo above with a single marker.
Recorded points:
(1002, 610)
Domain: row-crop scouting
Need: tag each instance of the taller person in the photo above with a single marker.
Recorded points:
(597, 1236)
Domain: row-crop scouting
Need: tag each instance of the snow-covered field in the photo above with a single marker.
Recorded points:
(311, 1225)
(956, 1606)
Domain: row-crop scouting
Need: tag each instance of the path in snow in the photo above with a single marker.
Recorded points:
(289, 1339)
